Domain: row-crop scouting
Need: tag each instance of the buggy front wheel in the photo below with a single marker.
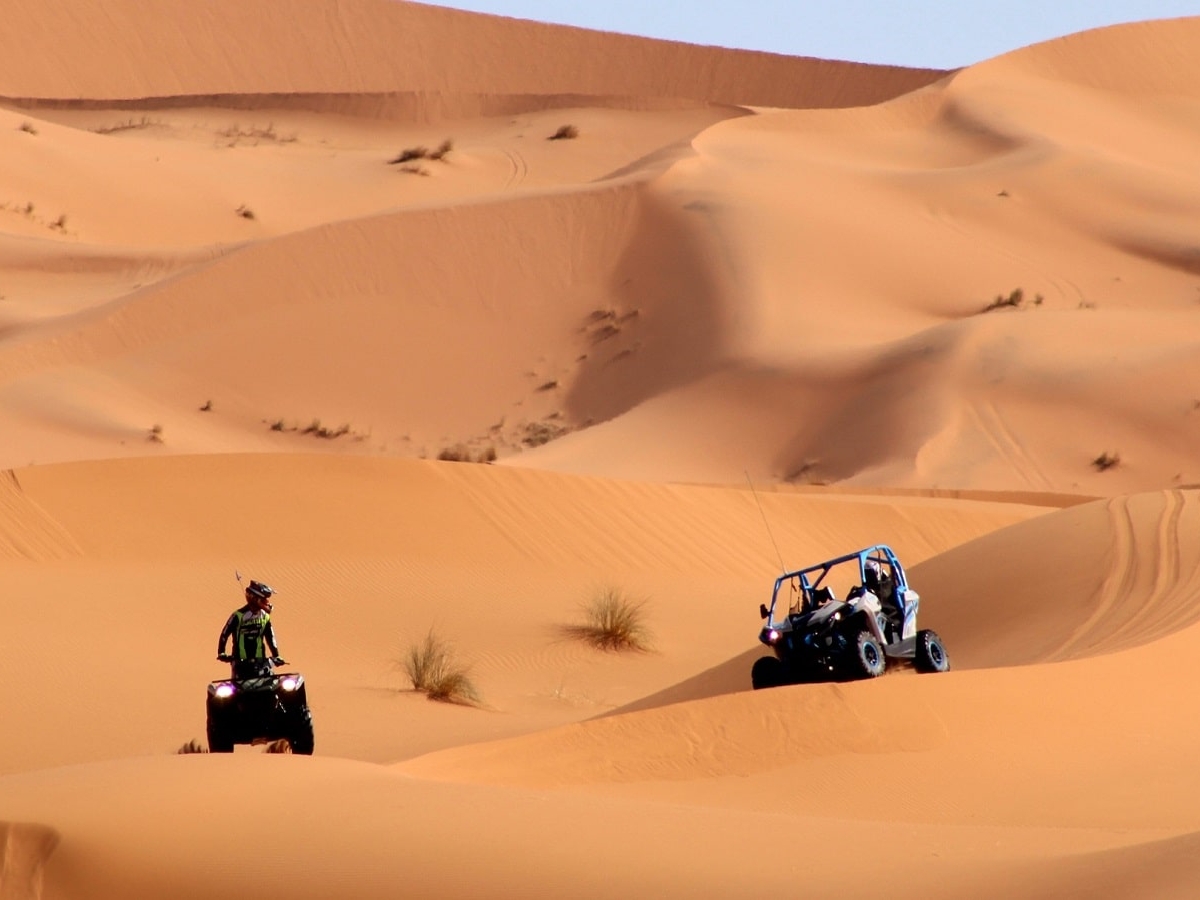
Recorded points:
(767, 672)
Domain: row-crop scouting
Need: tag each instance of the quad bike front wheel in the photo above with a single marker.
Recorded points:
(300, 731)
(931, 653)
(867, 659)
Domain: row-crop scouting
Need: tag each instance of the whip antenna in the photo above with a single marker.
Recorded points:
(763, 513)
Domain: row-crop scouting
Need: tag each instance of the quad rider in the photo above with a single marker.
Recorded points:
(252, 634)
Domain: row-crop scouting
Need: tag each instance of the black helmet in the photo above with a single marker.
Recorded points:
(256, 590)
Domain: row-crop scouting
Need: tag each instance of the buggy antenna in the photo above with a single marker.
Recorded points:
(762, 512)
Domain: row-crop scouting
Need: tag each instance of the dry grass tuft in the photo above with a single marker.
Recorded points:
(538, 433)
(155, 434)
(27, 127)
(1106, 461)
(245, 212)
(463, 453)
(192, 746)
(127, 125)
(279, 746)
(613, 621)
(443, 149)
(433, 670)
(564, 133)
(207, 407)
(1012, 301)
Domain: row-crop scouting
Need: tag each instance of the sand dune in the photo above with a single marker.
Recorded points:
(262, 264)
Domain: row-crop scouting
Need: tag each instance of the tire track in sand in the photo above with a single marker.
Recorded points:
(1139, 604)
(1007, 446)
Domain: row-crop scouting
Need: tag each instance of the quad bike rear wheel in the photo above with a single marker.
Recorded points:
(931, 653)
(767, 672)
(867, 659)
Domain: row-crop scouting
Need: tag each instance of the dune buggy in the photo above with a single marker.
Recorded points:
(258, 705)
(822, 638)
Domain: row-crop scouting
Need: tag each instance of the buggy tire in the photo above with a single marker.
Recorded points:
(867, 659)
(767, 672)
(300, 731)
(931, 653)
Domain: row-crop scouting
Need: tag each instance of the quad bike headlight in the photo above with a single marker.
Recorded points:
(771, 637)
(224, 691)
(290, 683)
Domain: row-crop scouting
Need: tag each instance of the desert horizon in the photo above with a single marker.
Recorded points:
(450, 327)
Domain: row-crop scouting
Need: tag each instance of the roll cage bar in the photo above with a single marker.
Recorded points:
(879, 553)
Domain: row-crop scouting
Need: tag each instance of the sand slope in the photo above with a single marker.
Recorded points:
(262, 264)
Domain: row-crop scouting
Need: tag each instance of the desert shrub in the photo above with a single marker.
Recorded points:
(27, 127)
(538, 433)
(155, 434)
(245, 212)
(192, 746)
(443, 148)
(408, 155)
(1106, 461)
(564, 133)
(463, 453)
(433, 670)
(207, 407)
(613, 621)
(127, 125)
(1012, 301)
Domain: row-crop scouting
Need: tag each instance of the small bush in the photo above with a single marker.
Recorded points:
(245, 212)
(1106, 461)
(463, 453)
(127, 125)
(1012, 301)
(207, 407)
(613, 621)
(564, 133)
(538, 433)
(433, 670)
(443, 149)
(408, 155)
(27, 127)
(156, 434)
(192, 746)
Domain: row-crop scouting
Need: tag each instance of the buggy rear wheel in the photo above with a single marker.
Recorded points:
(867, 659)
(931, 653)
(767, 672)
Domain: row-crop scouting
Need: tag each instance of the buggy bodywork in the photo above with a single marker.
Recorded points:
(819, 637)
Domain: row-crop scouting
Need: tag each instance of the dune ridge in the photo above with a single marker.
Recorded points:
(446, 324)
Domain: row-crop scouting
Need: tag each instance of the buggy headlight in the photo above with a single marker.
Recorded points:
(290, 683)
(224, 691)
(771, 636)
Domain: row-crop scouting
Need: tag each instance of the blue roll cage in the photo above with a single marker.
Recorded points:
(880, 553)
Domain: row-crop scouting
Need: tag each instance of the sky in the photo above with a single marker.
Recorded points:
(936, 34)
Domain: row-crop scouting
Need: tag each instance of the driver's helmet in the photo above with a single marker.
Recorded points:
(872, 576)
(259, 594)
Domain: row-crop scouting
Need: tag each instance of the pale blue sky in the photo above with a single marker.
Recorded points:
(940, 34)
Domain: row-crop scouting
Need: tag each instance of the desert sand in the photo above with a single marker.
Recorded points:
(446, 323)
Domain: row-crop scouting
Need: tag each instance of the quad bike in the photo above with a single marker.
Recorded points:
(258, 705)
(821, 638)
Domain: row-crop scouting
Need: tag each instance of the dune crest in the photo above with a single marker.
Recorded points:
(445, 324)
